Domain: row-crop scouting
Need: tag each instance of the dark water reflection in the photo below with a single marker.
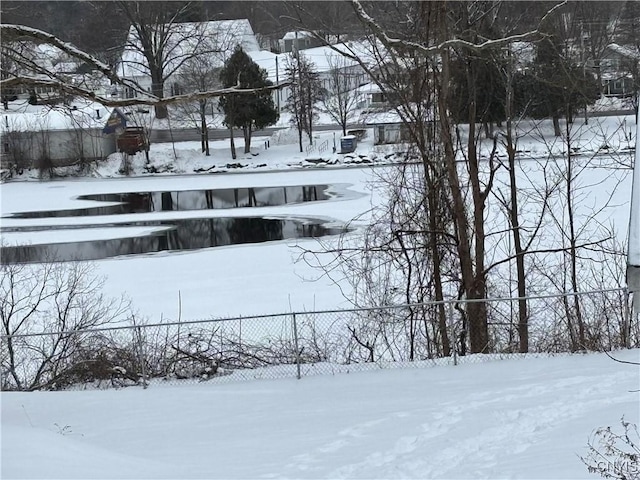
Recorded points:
(190, 200)
(188, 234)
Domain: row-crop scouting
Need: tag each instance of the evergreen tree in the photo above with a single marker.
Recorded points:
(481, 74)
(247, 111)
(554, 86)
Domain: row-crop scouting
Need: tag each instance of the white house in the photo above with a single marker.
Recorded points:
(214, 41)
(392, 126)
(34, 135)
(326, 61)
(298, 40)
(47, 58)
(388, 127)
(371, 96)
(617, 66)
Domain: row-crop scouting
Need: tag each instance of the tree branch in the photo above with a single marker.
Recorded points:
(453, 43)
(149, 100)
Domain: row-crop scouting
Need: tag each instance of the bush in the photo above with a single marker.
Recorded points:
(44, 308)
(615, 455)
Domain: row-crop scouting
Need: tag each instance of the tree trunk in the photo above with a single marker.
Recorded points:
(206, 142)
(476, 285)
(300, 139)
(157, 89)
(586, 115)
(167, 202)
(459, 211)
(204, 130)
(488, 131)
(309, 112)
(573, 250)
(514, 218)
(556, 126)
(436, 258)
(247, 138)
(233, 144)
(523, 318)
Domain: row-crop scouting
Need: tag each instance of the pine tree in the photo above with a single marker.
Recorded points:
(246, 111)
(555, 86)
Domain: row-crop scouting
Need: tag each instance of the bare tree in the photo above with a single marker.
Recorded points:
(304, 93)
(200, 74)
(341, 98)
(59, 299)
(595, 24)
(158, 41)
(414, 46)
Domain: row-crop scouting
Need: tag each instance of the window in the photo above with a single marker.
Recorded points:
(176, 89)
(377, 97)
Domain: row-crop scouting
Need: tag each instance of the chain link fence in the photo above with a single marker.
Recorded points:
(325, 342)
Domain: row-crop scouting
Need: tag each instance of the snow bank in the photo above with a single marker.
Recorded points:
(526, 419)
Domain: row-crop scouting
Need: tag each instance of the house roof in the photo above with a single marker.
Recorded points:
(267, 60)
(29, 118)
(624, 51)
(44, 55)
(216, 39)
(65, 67)
(298, 34)
(370, 53)
(370, 87)
(392, 116)
(324, 58)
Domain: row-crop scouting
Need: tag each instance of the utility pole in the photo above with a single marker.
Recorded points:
(278, 83)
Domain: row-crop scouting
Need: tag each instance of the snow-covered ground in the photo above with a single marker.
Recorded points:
(523, 418)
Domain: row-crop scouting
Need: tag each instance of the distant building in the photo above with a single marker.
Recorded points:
(326, 62)
(392, 127)
(372, 97)
(33, 136)
(299, 40)
(215, 41)
(619, 66)
(48, 59)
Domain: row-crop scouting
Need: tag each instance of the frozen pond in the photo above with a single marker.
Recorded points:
(103, 235)
(211, 199)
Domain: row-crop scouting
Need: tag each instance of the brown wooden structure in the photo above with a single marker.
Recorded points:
(133, 140)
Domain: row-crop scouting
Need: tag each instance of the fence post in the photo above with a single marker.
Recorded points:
(455, 334)
(630, 311)
(143, 366)
(295, 345)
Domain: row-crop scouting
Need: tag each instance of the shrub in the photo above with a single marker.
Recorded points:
(615, 455)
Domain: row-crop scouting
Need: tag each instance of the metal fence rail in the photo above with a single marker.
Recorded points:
(300, 344)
